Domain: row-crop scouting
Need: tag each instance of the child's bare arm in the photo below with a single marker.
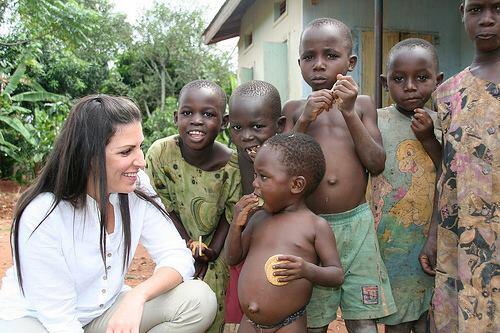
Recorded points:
(213, 250)
(329, 274)
(428, 253)
(203, 254)
(422, 126)
(292, 110)
(236, 242)
(364, 131)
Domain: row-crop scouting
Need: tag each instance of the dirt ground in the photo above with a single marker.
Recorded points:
(142, 266)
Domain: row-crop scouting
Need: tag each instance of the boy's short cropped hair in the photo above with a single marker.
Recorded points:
(341, 26)
(301, 155)
(199, 84)
(411, 43)
(260, 89)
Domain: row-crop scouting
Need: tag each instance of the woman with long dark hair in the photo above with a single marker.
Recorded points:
(77, 227)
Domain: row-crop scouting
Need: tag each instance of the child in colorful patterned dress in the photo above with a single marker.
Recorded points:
(466, 219)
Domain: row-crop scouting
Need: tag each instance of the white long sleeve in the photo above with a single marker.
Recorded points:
(65, 281)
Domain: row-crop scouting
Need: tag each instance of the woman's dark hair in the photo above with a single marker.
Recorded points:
(78, 155)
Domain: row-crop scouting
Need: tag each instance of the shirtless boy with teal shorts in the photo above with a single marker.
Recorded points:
(345, 125)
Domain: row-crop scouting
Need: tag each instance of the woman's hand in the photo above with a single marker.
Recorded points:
(127, 317)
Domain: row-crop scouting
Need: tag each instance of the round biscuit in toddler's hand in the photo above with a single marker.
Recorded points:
(268, 267)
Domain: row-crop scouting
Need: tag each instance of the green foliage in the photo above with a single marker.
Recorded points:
(67, 20)
(47, 125)
(160, 124)
(167, 54)
(56, 51)
(18, 136)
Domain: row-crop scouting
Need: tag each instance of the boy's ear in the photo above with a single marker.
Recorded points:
(439, 78)
(383, 80)
(176, 117)
(298, 184)
(280, 124)
(462, 11)
(352, 62)
(298, 61)
(225, 122)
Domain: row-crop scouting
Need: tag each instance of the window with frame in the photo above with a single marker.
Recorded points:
(279, 9)
(247, 40)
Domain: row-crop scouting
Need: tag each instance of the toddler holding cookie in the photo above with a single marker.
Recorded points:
(284, 243)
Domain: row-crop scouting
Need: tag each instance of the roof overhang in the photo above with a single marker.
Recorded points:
(227, 22)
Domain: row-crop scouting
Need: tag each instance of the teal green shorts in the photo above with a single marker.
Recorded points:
(366, 292)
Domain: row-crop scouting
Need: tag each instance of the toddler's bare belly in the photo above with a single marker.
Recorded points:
(263, 302)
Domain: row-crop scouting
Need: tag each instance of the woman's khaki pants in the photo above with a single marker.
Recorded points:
(188, 308)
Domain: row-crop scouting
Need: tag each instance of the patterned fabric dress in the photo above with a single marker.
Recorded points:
(402, 200)
(199, 198)
(467, 293)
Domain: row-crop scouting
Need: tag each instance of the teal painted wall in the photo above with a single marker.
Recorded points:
(430, 16)
(276, 67)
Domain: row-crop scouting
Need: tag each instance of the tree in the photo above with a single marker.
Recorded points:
(48, 45)
(168, 54)
(54, 51)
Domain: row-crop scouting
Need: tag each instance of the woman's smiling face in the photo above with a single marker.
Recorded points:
(124, 158)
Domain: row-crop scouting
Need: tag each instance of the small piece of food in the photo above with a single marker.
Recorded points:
(268, 267)
(197, 245)
(252, 151)
(261, 202)
(337, 99)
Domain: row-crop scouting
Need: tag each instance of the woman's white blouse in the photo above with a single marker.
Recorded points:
(65, 281)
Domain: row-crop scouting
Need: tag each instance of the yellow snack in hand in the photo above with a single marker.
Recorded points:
(268, 267)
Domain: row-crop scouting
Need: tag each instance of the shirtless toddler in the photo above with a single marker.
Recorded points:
(288, 167)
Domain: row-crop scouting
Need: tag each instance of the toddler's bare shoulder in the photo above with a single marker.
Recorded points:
(293, 106)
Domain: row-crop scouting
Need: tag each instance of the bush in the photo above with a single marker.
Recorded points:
(160, 124)
(45, 125)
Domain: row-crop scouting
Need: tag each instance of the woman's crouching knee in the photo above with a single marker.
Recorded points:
(200, 304)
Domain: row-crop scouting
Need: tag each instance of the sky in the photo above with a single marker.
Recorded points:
(134, 8)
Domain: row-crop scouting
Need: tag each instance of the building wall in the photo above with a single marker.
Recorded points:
(438, 17)
(441, 18)
(259, 19)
